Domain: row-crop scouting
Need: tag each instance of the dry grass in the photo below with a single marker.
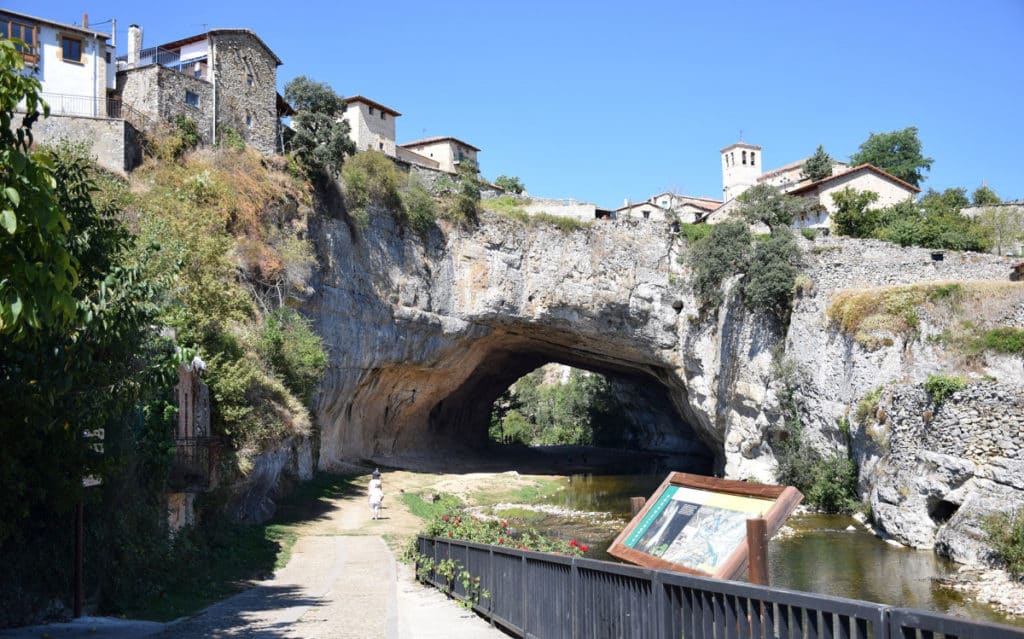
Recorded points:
(875, 316)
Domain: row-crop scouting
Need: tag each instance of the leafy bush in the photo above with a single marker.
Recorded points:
(1006, 532)
(421, 212)
(809, 233)
(772, 274)
(1004, 339)
(939, 387)
(834, 485)
(867, 407)
(724, 252)
(510, 184)
(288, 343)
(853, 217)
(370, 177)
(454, 525)
(695, 232)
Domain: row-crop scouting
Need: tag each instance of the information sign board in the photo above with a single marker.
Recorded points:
(698, 524)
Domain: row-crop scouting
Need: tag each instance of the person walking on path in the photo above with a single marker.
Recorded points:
(376, 494)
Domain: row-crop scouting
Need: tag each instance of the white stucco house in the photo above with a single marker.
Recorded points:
(447, 151)
(667, 205)
(74, 64)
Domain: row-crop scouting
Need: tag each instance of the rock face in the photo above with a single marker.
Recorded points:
(423, 336)
(946, 467)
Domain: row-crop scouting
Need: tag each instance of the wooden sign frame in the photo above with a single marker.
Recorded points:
(779, 503)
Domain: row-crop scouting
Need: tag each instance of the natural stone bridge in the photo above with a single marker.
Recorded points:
(423, 339)
(423, 336)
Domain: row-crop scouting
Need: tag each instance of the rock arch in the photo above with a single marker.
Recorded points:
(424, 336)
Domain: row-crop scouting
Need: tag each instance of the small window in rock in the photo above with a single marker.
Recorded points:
(381, 145)
(647, 215)
(249, 79)
(248, 120)
(191, 99)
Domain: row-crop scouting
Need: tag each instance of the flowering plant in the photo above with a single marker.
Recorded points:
(499, 533)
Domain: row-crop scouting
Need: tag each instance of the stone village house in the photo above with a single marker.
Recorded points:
(221, 78)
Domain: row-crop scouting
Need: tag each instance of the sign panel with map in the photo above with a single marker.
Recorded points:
(698, 524)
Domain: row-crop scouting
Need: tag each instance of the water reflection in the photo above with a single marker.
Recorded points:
(823, 556)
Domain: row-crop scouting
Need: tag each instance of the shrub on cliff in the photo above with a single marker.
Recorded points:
(772, 274)
(318, 136)
(1006, 532)
(723, 253)
(940, 386)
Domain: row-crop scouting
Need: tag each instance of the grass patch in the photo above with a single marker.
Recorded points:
(512, 209)
(533, 493)
(867, 408)
(1003, 340)
(524, 515)
(874, 316)
(430, 509)
(1006, 532)
(208, 563)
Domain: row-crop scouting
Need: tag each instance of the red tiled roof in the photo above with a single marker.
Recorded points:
(440, 138)
(368, 101)
(781, 169)
(856, 169)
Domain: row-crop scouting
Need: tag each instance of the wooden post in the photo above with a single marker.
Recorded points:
(636, 504)
(79, 560)
(757, 550)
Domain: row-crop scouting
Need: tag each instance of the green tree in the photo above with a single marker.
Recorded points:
(770, 206)
(853, 216)
(723, 253)
(772, 274)
(896, 152)
(510, 184)
(318, 137)
(984, 196)
(38, 274)
(818, 166)
(1004, 224)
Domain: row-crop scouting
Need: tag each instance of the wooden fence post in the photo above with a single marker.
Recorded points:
(757, 550)
(636, 504)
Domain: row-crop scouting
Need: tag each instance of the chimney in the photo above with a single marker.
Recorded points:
(134, 44)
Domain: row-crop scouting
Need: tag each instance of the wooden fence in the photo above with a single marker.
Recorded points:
(541, 596)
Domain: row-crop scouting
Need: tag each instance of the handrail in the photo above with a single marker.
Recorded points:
(540, 595)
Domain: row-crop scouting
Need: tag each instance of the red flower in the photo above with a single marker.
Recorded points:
(504, 524)
(501, 540)
(444, 517)
(583, 547)
(574, 543)
(449, 534)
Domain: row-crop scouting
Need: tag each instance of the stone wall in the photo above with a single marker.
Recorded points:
(430, 177)
(943, 468)
(113, 143)
(249, 108)
(158, 93)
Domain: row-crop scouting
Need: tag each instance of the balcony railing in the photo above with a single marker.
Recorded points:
(85, 105)
(168, 59)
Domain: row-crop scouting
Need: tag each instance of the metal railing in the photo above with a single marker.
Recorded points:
(84, 105)
(195, 461)
(549, 596)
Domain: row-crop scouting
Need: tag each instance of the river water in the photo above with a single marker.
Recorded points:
(823, 556)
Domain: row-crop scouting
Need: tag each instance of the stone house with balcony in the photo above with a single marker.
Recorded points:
(223, 78)
(74, 66)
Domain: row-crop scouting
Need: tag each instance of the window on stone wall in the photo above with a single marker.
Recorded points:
(381, 144)
(70, 49)
(372, 111)
(248, 120)
(191, 98)
(249, 79)
(383, 116)
(647, 215)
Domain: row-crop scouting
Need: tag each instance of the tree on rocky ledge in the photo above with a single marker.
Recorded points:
(897, 153)
(510, 184)
(818, 166)
(317, 137)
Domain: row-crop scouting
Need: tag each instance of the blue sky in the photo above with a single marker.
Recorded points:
(603, 101)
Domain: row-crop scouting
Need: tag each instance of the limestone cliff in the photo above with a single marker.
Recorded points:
(423, 335)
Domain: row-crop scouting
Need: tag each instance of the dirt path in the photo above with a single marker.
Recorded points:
(343, 581)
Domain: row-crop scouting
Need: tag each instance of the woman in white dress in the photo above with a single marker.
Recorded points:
(376, 494)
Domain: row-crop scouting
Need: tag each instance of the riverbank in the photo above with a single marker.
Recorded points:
(990, 586)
